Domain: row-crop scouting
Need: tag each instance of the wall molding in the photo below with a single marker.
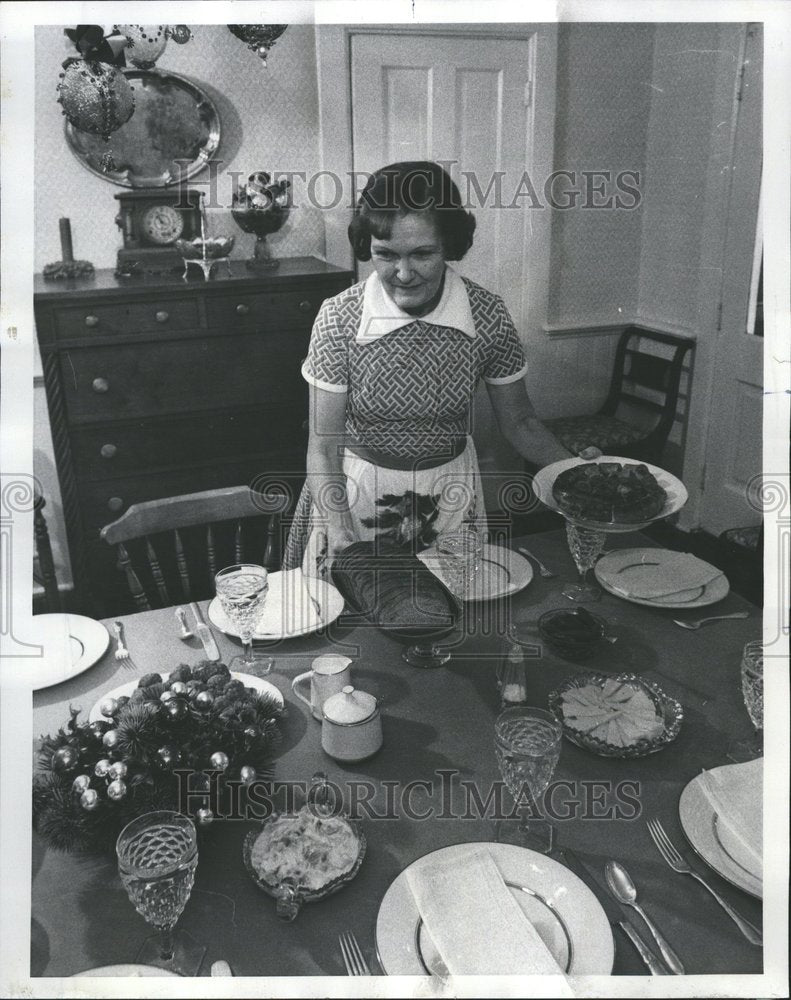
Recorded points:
(588, 329)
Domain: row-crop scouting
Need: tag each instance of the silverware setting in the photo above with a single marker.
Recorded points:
(623, 888)
(675, 861)
(650, 960)
(694, 626)
(181, 618)
(352, 956)
(204, 633)
(121, 652)
(541, 567)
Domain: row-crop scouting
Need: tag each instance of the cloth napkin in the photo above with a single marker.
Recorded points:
(734, 792)
(288, 608)
(678, 571)
(475, 922)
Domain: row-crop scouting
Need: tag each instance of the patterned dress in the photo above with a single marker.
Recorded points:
(409, 385)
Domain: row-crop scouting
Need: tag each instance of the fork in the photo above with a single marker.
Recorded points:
(541, 567)
(121, 652)
(352, 956)
(675, 861)
(694, 626)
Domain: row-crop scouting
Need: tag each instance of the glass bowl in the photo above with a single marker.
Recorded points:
(667, 708)
(215, 248)
(572, 632)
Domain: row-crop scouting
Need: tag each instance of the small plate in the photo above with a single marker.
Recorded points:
(565, 913)
(675, 489)
(699, 823)
(614, 563)
(670, 710)
(123, 970)
(503, 571)
(125, 690)
(72, 644)
(295, 605)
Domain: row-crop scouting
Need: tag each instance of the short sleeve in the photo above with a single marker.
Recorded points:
(326, 365)
(504, 358)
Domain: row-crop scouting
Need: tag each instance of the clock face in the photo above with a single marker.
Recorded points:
(162, 224)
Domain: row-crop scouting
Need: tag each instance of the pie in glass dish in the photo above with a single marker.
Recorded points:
(609, 492)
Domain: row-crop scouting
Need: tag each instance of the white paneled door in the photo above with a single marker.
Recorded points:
(467, 103)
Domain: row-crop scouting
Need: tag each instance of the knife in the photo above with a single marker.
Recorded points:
(204, 633)
(611, 909)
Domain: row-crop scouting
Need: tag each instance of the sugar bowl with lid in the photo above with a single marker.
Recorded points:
(351, 728)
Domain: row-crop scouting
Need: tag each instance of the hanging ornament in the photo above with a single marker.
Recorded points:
(259, 38)
(102, 768)
(81, 783)
(247, 774)
(65, 759)
(117, 770)
(179, 688)
(176, 709)
(204, 817)
(145, 43)
(180, 33)
(110, 739)
(219, 761)
(204, 700)
(89, 800)
(95, 96)
(109, 707)
(116, 790)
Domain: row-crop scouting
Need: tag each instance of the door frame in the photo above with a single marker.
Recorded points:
(333, 64)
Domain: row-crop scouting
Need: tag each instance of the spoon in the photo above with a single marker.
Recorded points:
(181, 618)
(623, 888)
(715, 618)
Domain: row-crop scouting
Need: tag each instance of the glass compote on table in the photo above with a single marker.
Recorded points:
(527, 745)
(241, 590)
(157, 858)
(752, 677)
(585, 546)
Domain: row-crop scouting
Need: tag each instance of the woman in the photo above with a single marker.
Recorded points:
(393, 365)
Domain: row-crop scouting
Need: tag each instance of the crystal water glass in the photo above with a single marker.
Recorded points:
(527, 746)
(157, 857)
(753, 681)
(242, 591)
(460, 553)
(585, 546)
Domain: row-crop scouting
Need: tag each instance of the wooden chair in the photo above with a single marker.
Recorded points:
(44, 570)
(173, 547)
(638, 413)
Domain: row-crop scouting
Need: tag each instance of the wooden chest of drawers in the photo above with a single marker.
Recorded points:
(158, 387)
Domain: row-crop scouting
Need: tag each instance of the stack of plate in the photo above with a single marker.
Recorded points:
(661, 578)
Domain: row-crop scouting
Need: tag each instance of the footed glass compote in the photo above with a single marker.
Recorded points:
(585, 546)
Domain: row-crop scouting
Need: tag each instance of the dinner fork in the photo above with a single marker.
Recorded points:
(694, 626)
(675, 861)
(352, 956)
(541, 567)
(121, 652)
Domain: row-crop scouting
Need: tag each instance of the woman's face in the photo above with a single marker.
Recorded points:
(411, 263)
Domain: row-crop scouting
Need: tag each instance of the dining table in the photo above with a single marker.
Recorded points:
(438, 727)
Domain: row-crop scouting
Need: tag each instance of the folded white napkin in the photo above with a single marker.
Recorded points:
(734, 792)
(476, 924)
(678, 571)
(289, 608)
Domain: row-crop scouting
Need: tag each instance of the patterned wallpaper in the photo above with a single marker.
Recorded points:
(269, 118)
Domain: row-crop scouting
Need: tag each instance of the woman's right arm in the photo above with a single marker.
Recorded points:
(325, 465)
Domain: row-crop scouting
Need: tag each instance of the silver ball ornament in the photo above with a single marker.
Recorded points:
(110, 739)
(116, 790)
(204, 700)
(102, 768)
(247, 774)
(89, 800)
(81, 783)
(65, 758)
(219, 761)
(167, 696)
(204, 817)
(109, 707)
(117, 770)
(178, 687)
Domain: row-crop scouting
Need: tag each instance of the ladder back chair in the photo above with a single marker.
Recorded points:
(641, 381)
(44, 566)
(173, 547)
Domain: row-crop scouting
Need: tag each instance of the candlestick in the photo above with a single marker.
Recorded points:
(66, 247)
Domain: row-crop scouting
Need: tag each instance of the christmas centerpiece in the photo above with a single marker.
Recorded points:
(261, 207)
(197, 724)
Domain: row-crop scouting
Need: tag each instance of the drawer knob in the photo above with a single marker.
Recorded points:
(115, 504)
(162, 316)
(91, 320)
(306, 306)
(108, 451)
(100, 385)
(242, 309)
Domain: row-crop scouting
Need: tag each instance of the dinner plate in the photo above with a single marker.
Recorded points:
(124, 970)
(295, 605)
(502, 572)
(699, 823)
(72, 644)
(125, 690)
(676, 492)
(565, 913)
(614, 567)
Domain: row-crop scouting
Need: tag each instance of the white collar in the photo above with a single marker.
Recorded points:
(381, 315)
